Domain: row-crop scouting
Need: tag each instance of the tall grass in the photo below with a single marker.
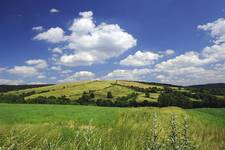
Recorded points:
(134, 130)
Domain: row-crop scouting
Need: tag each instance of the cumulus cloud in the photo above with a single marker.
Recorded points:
(79, 59)
(78, 76)
(37, 63)
(83, 25)
(169, 52)
(56, 68)
(53, 10)
(140, 59)
(38, 28)
(10, 82)
(90, 43)
(185, 60)
(214, 53)
(53, 35)
(66, 71)
(191, 75)
(37, 83)
(134, 74)
(41, 76)
(53, 78)
(23, 71)
(56, 50)
(87, 43)
(186, 69)
(194, 67)
(98, 44)
(216, 29)
(2, 69)
(86, 14)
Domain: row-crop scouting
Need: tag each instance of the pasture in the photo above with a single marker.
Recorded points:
(27, 126)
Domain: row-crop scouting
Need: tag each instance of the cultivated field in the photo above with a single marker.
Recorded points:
(27, 126)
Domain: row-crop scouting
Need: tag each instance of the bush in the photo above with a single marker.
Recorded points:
(109, 95)
(147, 95)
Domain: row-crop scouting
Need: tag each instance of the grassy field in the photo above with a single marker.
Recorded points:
(89, 127)
(74, 90)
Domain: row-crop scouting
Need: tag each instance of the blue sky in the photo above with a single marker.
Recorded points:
(170, 41)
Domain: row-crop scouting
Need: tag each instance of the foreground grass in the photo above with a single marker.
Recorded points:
(89, 127)
(14, 114)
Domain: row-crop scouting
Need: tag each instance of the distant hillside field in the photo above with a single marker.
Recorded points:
(74, 90)
(120, 93)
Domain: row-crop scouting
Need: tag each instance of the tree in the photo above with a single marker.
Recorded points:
(64, 100)
(147, 95)
(92, 94)
(174, 99)
(167, 89)
(109, 94)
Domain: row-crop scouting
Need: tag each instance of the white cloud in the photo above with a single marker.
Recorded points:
(38, 28)
(184, 69)
(185, 60)
(169, 52)
(140, 59)
(78, 76)
(90, 43)
(66, 71)
(79, 59)
(10, 82)
(97, 43)
(56, 50)
(23, 71)
(83, 25)
(53, 35)
(56, 68)
(53, 78)
(135, 74)
(37, 63)
(37, 83)
(41, 77)
(86, 14)
(194, 67)
(2, 69)
(191, 75)
(53, 10)
(214, 53)
(216, 29)
(206, 66)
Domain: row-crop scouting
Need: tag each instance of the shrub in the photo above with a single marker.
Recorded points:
(147, 95)
(109, 94)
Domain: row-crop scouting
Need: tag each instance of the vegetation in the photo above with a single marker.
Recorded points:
(119, 94)
(69, 125)
(109, 95)
(7, 88)
(91, 127)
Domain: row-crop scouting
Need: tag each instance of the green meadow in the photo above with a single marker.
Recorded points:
(27, 126)
(75, 90)
(91, 127)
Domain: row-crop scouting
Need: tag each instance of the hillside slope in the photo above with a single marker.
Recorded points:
(120, 93)
(75, 90)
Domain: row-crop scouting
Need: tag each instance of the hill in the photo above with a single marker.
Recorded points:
(75, 90)
(209, 86)
(118, 93)
(7, 88)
